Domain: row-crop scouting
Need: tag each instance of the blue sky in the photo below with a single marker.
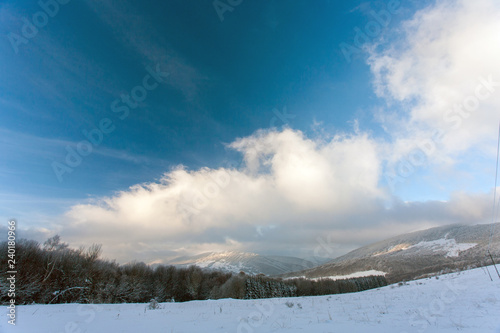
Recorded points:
(270, 78)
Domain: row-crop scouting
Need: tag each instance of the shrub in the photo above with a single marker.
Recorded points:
(153, 304)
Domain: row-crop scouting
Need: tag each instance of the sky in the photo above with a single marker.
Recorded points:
(168, 128)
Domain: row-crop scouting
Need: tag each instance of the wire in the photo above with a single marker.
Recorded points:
(495, 210)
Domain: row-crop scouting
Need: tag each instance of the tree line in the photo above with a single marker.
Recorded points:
(52, 273)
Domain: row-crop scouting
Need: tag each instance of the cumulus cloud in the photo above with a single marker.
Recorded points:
(290, 193)
(442, 76)
(285, 179)
(288, 190)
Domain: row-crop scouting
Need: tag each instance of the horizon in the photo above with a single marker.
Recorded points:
(162, 130)
(329, 259)
(318, 259)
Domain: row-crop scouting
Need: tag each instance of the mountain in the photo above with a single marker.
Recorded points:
(250, 263)
(415, 254)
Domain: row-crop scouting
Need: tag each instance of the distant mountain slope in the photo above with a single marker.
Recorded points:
(416, 254)
(249, 263)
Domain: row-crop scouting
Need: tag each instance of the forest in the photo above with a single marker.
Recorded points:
(52, 273)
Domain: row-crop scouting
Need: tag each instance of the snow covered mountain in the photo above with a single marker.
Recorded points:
(416, 254)
(250, 263)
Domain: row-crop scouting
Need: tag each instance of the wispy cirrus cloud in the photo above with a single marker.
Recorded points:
(145, 41)
(22, 143)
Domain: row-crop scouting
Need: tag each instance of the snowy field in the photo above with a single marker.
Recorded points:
(465, 302)
(342, 277)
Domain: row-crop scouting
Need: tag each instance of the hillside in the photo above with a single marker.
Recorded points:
(467, 302)
(250, 263)
(416, 254)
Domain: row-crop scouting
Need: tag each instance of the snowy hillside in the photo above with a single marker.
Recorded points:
(416, 254)
(250, 263)
(448, 240)
(451, 246)
(348, 276)
(465, 302)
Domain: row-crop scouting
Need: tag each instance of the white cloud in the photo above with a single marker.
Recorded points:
(284, 178)
(289, 190)
(439, 61)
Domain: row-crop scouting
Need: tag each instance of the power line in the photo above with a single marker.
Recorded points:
(495, 208)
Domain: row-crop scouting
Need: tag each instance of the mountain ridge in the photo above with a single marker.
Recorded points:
(416, 254)
(403, 257)
(248, 262)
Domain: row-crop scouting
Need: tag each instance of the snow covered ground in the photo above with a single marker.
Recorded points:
(342, 277)
(451, 246)
(464, 302)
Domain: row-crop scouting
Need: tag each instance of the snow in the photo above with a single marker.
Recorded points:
(349, 276)
(465, 302)
(449, 245)
(222, 265)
